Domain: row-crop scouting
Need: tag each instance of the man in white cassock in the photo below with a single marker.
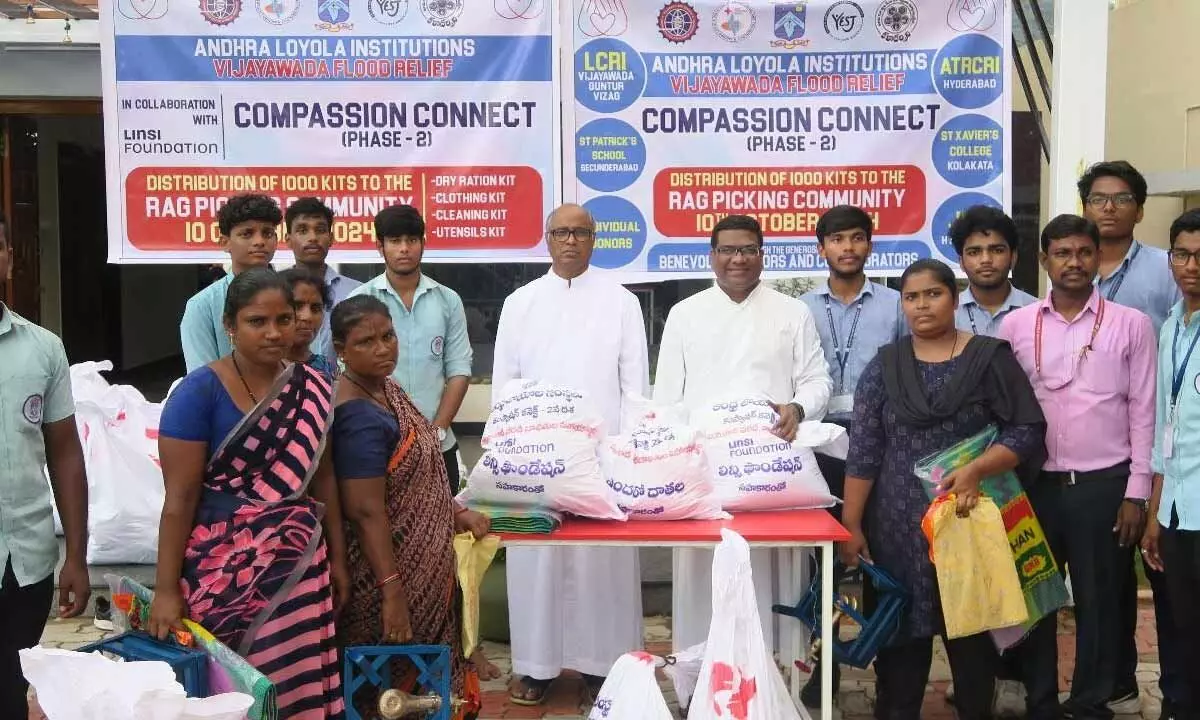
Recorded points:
(743, 338)
(572, 608)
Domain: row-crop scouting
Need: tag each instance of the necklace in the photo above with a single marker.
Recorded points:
(373, 395)
(233, 357)
(954, 346)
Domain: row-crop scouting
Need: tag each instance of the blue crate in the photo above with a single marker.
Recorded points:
(190, 665)
(369, 665)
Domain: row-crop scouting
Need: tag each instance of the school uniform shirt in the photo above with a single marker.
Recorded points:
(340, 288)
(35, 390)
(1176, 454)
(1143, 281)
(202, 329)
(974, 318)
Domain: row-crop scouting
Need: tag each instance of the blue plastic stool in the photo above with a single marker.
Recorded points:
(369, 665)
(876, 630)
(190, 665)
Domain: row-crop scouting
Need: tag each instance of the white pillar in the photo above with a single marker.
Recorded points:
(1078, 92)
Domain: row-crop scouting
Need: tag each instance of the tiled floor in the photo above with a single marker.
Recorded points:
(855, 701)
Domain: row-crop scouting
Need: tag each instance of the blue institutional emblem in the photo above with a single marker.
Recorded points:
(333, 14)
(789, 25)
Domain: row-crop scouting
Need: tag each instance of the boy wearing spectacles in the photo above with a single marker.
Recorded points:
(1172, 539)
(1137, 276)
(740, 336)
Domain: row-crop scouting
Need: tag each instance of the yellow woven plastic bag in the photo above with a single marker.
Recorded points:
(474, 558)
(977, 580)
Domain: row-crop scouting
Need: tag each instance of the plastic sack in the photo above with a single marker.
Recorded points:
(541, 445)
(474, 558)
(977, 580)
(1041, 582)
(88, 686)
(659, 469)
(684, 670)
(755, 470)
(118, 431)
(630, 692)
(738, 678)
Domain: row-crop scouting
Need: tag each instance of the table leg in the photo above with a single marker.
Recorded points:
(827, 690)
(794, 643)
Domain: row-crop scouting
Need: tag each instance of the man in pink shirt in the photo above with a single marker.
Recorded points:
(1092, 363)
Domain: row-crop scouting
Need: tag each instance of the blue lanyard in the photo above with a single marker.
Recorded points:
(1120, 276)
(843, 356)
(1177, 372)
(971, 317)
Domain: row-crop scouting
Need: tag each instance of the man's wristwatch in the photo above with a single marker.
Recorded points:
(1140, 502)
(441, 432)
(799, 411)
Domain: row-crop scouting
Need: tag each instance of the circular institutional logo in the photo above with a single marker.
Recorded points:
(844, 20)
(387, 12)
(734, 21)
(439, 344)
(221, 12)
(277, 12)
(678, 22)
(32, 409)
(896, 20)
(972, 15)
(442, 13)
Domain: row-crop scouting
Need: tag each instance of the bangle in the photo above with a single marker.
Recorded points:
(394, 577)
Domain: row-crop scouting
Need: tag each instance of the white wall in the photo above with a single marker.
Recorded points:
(50, 71)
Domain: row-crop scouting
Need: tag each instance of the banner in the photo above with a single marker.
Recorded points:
(686, 112)
(443, 104)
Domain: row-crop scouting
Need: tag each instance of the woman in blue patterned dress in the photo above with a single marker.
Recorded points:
(921, 395)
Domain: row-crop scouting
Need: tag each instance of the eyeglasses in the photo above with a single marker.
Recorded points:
(580, 234)
(750, 251)
(1180, 257)
(1120, 200)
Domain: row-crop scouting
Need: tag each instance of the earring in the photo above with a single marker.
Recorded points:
(341, 365)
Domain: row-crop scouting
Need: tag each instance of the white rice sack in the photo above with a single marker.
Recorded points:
(541, 445)
(659, 469)
(755, 470)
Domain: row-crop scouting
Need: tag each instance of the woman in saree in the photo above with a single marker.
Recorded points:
(250, 542)
(401, 519)
(921, 395)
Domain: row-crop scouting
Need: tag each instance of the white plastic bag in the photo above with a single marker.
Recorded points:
(630, 692)
(541, 446)
(684, 670)
(88, 686)
(738, 678)
(755, 470)
(118, 431)
(659, 469)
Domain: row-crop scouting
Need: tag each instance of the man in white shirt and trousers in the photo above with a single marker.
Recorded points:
(738, 337)
(572, 608)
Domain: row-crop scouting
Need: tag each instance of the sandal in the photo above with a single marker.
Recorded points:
(529, 691)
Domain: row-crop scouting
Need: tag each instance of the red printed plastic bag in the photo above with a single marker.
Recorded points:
(630, 691)
(738, 679)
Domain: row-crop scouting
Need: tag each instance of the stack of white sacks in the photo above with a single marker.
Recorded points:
(545, 449)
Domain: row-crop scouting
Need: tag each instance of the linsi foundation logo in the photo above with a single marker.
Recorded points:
(972, 15)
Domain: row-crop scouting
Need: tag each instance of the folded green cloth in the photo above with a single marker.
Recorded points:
(530, 521)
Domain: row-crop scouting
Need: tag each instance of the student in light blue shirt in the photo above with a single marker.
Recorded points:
(855, 317)
(1132, 274)
(249, 233)
(308, 224)
(986, 240)
(1137, 276)
(37, 428)
(434, 366)
(1172, 539)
